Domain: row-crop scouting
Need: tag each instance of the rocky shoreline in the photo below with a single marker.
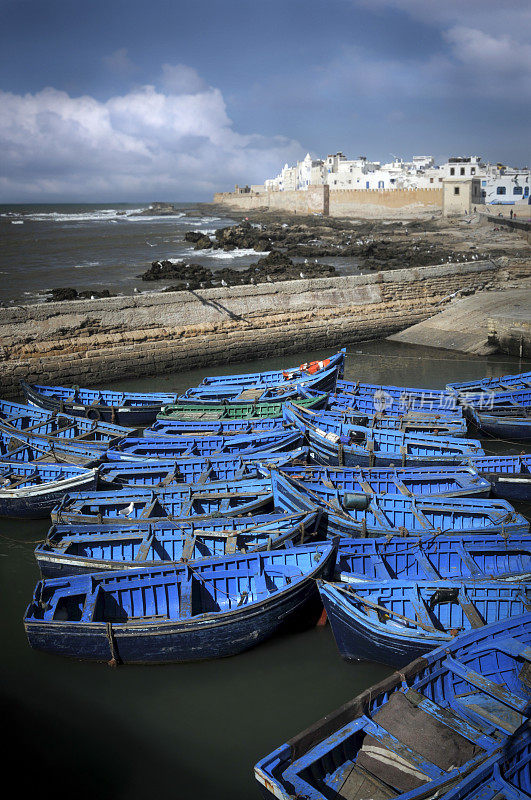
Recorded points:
(291, 247)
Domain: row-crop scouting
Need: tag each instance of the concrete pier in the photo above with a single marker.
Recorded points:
(485, 323)
(90, 342)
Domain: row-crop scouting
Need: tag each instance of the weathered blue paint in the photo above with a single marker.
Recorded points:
(142, 449)
(74, 549)
(350, 446)
(134, 409)
(474, 556)
(31, 490)
(222, 498)
(395, 622)
(218, 607)
(440, 481)
(509, 476)
(475, 686)
(399, 515)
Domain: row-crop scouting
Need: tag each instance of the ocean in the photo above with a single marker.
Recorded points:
(97, 246)
(108, 246)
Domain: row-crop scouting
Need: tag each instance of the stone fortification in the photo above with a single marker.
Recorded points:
(91, 342)
(365, 203)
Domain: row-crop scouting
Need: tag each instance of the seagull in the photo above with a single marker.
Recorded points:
(135, 291)
(149, 243)
(92, 297)
(302, 274)
(270, 279)
(128, 510)
(223, 282)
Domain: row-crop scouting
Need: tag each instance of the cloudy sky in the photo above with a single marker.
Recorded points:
(175, 99)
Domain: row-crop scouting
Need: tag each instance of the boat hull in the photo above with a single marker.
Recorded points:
(37, 502)
(206, 637)
(357, 642)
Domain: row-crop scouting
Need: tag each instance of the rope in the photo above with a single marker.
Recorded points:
(419, 358)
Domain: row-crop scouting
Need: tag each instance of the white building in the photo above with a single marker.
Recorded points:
(499, 184)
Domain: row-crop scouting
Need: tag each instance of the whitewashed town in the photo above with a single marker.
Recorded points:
(500, 183)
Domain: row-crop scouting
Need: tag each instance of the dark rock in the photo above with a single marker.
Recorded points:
(61, 294)
(193, 236)
(203, 243)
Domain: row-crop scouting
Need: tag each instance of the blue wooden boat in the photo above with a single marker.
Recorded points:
(218, 607)
(418, 733)
(408, 423)
(420, 482)
(506, 774)
(196, 470)
(68, 428)
(415, 423)
(353, 514)
(323, 381)
(175, 447)
(511, 424)
(232, 427)
(395, 622)
(495, 402)
(351, 445)
(132, 409)
(509, 476)
(221, 498)
(449, 411)
(472, 556)
(280, 376)
(20, 445)
(408, 397)
(76, 549)
(521, 380)
(31, 490)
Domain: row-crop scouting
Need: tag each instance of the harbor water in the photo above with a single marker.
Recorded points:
(186, 731)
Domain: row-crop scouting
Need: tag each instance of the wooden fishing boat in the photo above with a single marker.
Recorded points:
(133, 409)
(395, 622)
(521, 380)
(506, 774)
(472, 556)
(418, 482)
(20, 445)
(234, 412)
(281, 376)
(160, 447)
(513, 424)
(232, 427)
(415, 423)
(495, 402)
(220, 498)
(324, 381)
(62, 427)
(433, 407)
(351, 445)
(356, 514)
(197, 470)
(408, 397)
(418, 733)
(509, 476)
(31, 490)
(76, 549)
(218, 607)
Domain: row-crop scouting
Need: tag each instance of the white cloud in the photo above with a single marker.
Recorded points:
(488, 51)
(144, 144)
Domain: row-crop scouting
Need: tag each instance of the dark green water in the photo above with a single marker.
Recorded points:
(193, 730)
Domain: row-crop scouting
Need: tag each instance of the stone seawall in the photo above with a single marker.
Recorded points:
(365, 203)
(91, 342)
